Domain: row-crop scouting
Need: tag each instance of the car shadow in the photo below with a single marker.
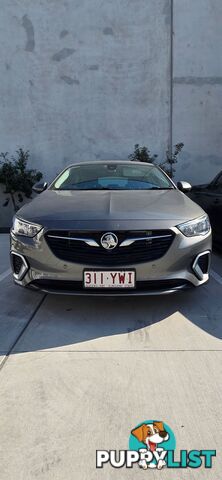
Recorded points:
(185, 321)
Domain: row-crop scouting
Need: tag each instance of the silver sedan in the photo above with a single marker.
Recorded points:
(111, 228)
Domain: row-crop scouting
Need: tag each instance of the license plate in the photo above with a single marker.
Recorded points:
(109, 279)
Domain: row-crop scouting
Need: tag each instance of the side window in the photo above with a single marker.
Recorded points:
(65, 175)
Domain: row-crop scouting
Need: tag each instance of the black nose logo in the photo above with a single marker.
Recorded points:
(163, 434)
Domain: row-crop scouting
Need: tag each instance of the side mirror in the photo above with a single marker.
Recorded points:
(40, 187)
(184, 186)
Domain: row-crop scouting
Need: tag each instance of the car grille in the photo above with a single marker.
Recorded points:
(141, 286)
(17, 263)
(203, 262)
(140, 251)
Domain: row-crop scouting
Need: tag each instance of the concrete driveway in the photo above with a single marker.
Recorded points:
(78, 374)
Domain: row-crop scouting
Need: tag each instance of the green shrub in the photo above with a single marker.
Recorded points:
(16, 178)
(142, 154)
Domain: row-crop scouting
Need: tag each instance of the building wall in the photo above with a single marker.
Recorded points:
(84, 79)
(87, 79)
(197, 87)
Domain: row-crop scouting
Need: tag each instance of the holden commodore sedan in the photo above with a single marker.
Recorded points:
(111, 228)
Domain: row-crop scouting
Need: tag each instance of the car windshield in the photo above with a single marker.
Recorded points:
(112, 176)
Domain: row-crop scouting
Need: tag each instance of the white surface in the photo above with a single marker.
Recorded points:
(84, 372)
(5, 274)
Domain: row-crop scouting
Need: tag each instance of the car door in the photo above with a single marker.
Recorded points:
(215, 207)
(209, 197)
(202, 195)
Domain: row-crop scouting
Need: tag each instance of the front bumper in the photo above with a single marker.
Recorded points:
(177, 270)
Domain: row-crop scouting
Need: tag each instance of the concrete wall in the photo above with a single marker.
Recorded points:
(84, 79)
(197, 88)
(87, 79)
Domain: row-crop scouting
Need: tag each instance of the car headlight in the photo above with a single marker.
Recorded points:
(20, 227)
(199, 226)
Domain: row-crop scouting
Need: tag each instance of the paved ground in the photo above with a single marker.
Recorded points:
(78, 374)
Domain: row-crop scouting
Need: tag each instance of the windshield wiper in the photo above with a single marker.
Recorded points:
(114, 188)
(161, 188)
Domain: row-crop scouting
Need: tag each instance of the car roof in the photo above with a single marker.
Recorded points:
(102, 162)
